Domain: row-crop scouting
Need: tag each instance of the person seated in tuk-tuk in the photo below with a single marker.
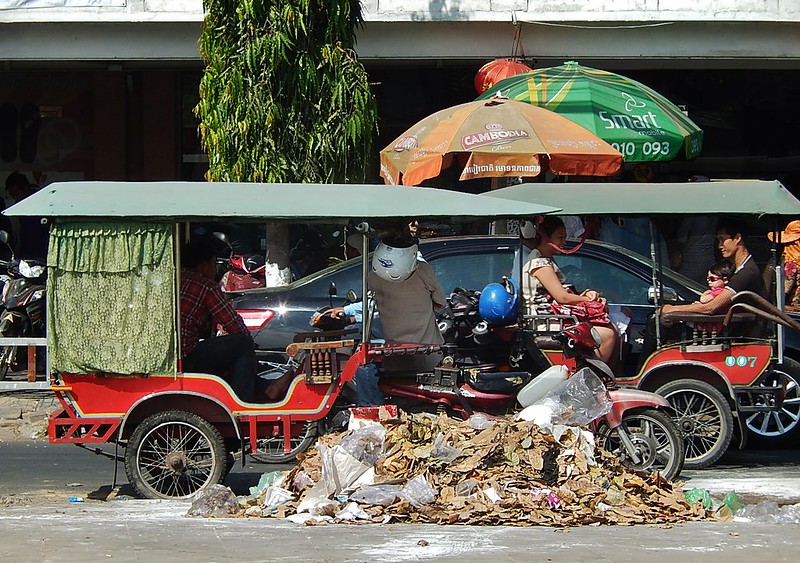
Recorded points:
(204, 307)
(731, 241)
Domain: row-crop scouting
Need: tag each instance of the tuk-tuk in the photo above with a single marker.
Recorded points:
(710, 377)
(113, 323)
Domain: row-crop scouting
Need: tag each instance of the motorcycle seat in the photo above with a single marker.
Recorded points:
(504, 382)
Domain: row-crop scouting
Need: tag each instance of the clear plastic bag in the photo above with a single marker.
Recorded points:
(418, 492)
(365, 444)
(480, 421)
(383, 495)
(444, 452)
(579, 400)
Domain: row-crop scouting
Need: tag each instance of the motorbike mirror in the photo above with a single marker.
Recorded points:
(4, 237)
(221, 237)
(351, 296)
(668, 293)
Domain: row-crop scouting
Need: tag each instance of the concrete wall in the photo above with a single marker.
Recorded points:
(426, 10)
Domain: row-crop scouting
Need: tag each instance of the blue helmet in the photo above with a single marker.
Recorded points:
(498, 302)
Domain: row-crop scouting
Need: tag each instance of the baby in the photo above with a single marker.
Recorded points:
(717, 279)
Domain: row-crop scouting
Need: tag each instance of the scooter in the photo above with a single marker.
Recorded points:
(23, 300)
(638, 427)
(241, 271)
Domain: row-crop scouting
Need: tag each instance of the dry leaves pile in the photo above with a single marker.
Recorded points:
(509, 474)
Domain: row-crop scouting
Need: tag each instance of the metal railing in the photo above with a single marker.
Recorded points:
(31, 377)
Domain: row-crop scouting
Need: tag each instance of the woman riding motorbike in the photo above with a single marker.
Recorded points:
(543, 286)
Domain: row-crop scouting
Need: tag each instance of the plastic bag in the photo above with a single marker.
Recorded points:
(443, 452)
(693, 496)
(480, 421)
(418, 492)
(579, 400)
(732, 502)
(267, 479)
(365, 443)
(214, 502)
(352, 512)
(339, 468)
(273, 497)
(383, 495)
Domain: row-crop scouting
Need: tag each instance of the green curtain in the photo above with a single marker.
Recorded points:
(111, 298)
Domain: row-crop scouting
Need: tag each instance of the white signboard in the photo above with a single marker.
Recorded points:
(23, 4)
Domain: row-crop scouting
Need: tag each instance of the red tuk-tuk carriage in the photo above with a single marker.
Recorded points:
(711, 378)
(113, 327)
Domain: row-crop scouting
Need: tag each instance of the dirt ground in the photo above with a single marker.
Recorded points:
(23, 414)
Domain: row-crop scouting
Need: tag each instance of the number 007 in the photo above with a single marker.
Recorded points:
(741, 361)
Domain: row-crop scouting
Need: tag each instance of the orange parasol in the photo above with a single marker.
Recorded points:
(496, 137)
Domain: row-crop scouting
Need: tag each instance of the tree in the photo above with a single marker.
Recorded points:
(284, 97)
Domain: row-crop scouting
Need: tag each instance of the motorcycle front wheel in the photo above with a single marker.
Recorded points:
(6, 359)
(656, 440)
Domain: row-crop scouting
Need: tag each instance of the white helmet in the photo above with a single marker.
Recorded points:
(394, 264)
(527, 230)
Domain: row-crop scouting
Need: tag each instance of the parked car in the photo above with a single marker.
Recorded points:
(275, 315)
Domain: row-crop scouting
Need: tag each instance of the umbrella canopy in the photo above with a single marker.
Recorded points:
(638, 121)
(496, 137)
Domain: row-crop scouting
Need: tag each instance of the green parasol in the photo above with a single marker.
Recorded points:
(634, 119)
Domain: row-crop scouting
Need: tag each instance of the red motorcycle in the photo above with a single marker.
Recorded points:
(638, 428)
(241, 271)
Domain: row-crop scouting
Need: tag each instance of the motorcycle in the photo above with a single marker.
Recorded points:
(638, 428)
(470, 379)
(23, 300)
(240, 271)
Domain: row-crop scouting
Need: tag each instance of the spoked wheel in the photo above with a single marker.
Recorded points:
(270, 450)
(704, 418)
(656, 440)
(777, 426)
(6, 359)
(174, 454)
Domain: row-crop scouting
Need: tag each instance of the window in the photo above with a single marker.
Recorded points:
(615, 284)
(472, 270)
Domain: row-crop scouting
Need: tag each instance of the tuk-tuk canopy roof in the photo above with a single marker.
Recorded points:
(751, 197)
(187, 201)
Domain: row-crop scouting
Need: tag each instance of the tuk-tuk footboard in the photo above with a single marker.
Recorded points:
(758, 399)
(66, 427)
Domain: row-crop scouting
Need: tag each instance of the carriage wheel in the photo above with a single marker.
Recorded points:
(174, 454)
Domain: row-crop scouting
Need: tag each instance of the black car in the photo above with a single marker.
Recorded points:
(471, 262)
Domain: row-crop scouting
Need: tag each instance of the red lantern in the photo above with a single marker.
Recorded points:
(494, 71)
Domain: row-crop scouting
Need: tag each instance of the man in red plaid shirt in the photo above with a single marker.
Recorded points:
(203, 307)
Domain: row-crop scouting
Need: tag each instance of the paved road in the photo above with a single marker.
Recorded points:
(42, 471)
(125, 529)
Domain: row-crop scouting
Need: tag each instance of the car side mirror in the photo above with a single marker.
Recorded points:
(351, 296)
(332, 290)
(668, 293)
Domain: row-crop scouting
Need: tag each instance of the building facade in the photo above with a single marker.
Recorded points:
(104, 89)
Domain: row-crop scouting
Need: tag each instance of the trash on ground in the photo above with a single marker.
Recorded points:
(440, 470)
(215, 502)
(769, 512)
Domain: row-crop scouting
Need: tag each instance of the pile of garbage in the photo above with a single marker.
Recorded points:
(434, 469)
